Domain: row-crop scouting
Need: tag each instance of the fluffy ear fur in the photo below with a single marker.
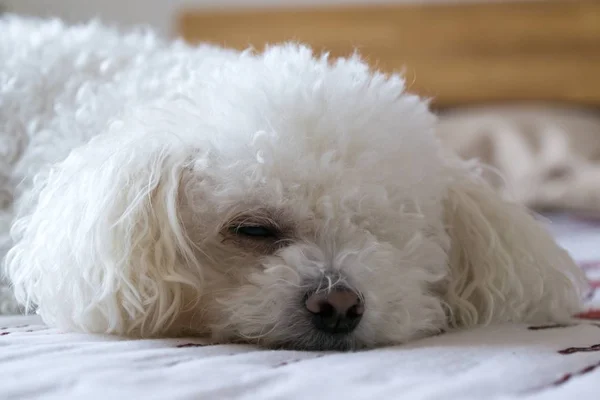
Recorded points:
(102, 249)
(504, 266)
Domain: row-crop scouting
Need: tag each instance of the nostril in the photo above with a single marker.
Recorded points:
(356, 311)
(325, 309)
(335, 311)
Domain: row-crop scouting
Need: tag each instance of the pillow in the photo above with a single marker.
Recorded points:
(545, 157)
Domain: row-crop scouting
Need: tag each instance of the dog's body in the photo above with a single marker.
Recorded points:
(274, 198)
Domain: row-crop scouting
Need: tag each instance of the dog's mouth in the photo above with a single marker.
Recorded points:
(320, 341)
(308, 339)
(300, 333)
(306, 334)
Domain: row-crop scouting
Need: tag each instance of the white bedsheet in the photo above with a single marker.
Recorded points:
(502, 362)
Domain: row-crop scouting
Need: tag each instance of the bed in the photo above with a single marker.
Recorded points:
(533, 51)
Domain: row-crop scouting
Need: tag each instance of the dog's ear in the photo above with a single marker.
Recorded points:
(504, 265)
(102, 249)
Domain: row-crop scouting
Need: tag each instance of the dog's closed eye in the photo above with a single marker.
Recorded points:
(255, 231)
(260, 231)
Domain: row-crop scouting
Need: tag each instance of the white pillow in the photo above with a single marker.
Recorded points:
(547, 156)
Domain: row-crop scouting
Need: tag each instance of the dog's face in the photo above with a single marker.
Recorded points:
(316, 249)
(285, 201)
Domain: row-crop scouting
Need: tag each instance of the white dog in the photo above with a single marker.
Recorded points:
(276, 198)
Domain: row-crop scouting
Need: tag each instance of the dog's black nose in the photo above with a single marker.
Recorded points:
(335, 311)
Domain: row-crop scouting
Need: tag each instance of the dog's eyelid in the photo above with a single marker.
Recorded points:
(256, 232)
(253, 223)
(263, 218)
(239, 224)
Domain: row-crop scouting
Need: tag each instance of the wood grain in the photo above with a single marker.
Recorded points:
(457, 54)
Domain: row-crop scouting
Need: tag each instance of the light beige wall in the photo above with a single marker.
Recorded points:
(161, 13)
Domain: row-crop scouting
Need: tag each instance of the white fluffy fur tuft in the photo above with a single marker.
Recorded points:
(133, 164)
(504, 265)
(124, 254)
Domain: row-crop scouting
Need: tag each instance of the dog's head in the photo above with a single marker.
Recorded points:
(285, 200)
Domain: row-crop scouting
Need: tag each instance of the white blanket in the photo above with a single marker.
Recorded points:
(501, 362)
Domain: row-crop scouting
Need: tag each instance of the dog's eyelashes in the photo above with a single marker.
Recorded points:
(255, 231)
(261, 238)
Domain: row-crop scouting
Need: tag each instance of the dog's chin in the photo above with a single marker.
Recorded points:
(300, 335)
(315, 340)
(306, 337)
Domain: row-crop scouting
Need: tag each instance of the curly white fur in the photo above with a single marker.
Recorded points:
(130, 159)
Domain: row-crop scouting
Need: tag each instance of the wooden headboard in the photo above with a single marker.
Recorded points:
(457, 54)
